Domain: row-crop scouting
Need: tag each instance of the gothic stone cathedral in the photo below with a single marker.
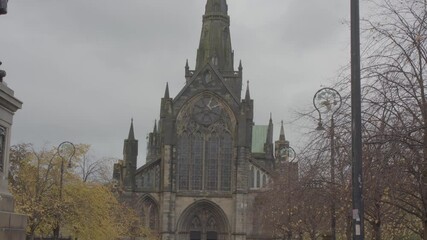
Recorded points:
(206, 160)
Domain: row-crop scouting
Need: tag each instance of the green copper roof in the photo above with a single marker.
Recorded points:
(259, 135)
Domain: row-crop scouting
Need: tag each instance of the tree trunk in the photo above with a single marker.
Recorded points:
(30, 236)
(56, 233)
(425, 230)
(377, 231)
(349, 229)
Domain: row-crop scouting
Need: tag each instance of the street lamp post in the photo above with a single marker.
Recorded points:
(289, 155)
(328, 100)
(356, 122)
(65, 150)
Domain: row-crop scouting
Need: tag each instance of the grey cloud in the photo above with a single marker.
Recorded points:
(84, 68)
(308, 23)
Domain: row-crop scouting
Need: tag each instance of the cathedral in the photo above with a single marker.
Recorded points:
(206, 159)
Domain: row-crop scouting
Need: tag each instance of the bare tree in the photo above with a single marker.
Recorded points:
(94, 169)
(395, 87)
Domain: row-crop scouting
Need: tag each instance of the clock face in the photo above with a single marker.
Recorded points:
(283, 152)
(207, 111)
(287, 153)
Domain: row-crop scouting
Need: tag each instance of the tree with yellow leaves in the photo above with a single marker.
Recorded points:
(86, 210)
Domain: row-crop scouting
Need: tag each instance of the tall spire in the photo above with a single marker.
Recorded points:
(216, 6)
(215, 41)
(270, 130)
(187, 68)
(167, 91)
(248, 95)
(131, 133)
(282, 133)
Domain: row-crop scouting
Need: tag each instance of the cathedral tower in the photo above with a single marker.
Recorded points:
(215, 41)
(205, 163)
(130, 154)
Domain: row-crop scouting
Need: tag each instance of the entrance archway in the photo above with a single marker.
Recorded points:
(203, 220)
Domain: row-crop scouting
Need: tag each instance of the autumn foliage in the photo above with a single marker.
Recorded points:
(86, 210)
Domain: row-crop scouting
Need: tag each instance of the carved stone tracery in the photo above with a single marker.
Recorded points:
(205, 130)
(204, 218)
(186, 121)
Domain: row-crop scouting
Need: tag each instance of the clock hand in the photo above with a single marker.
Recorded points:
(209, 104)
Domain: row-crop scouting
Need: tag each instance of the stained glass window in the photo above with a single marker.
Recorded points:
(204, 147)
(264, 180)
(183, 161)
(225, 160)
(197, 162)
(212, 149)
(252, 177)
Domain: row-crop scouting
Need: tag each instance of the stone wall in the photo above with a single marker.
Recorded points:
(12, 225)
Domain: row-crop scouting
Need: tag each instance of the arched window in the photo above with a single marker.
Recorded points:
(149, 213)
(258, 179)
(251, 177)
(264, 180)
(204, 146)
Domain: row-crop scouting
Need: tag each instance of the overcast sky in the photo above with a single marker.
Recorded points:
(84, 68)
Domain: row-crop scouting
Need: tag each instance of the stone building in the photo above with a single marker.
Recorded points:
(12, 225)
(206, 160)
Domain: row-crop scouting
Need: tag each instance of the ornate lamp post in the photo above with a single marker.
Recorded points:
(288, 155)
(66, 151)
(328, 100)
(291, 154)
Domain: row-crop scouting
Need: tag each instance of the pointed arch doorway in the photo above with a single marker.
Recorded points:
(203, 220)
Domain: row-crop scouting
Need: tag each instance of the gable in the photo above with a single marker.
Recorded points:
(206, 79)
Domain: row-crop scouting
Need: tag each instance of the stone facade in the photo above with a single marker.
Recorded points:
(206, 160)
(12, 225)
